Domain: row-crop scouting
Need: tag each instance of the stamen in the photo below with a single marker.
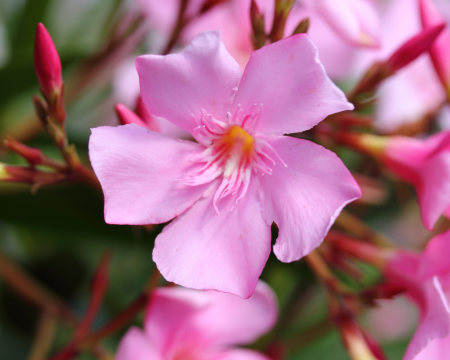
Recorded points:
(232, 151)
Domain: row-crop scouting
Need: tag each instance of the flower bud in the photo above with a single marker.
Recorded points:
(302, 27)
(282, 10)
(150, 120)
(259, 33)
(440, 50)
(48, 70)
(31, 155)
(413, 48)
(358, 345)
(126, 116)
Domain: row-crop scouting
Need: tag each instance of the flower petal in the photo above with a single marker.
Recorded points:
(226, 252)
(181, 319)
(434, 192)
(140, 173)
(428, 295)
(289, 81)
(355, 20)
(305, 197)
(135, 345)
(178, 86)
(170, 320)
(240, 354)
(435, 259)
(438, 349)
(231, 320)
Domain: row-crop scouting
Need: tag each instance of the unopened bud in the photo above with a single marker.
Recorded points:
(144, 113)
(440, 50)
(282, 10)
(31, 155)
(259, 33)
(413, 48)
(27, 175)
(126, 116)
(48, 70)
(302, 27)
(357, 343)
(372, 145)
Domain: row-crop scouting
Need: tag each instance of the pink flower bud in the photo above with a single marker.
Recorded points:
(440, 50)
(126, 116)
(414, 47)
(47, 63)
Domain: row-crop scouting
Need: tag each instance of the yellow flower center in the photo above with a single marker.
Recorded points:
(239, 139)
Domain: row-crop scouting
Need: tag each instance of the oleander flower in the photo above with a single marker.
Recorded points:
(192, 325)
(425, 164)
(434, 262)
(242, 175)
(406, 269)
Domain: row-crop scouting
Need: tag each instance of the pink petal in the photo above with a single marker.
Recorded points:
(434, 192)
(435, 259)
(135, 345)
(288, 80)
(170, 320)
(140, 172)
(440, 52)
(305, 197)
(428, 295)
(354, 20)
(240, 354)
(178, 86)
(438, 349)
(426, 165)
(231, 320)
(226, 252)
(198, 321)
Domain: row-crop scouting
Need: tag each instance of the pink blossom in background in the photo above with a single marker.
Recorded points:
(355, 21)
(404, 269)
(440, 52)
(415, 91)
(425, 164)
(241, 176)
(435, 262)
(192, 325)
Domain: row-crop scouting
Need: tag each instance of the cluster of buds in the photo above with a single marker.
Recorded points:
(52, 115)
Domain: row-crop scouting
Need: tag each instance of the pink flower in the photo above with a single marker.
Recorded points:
(47, 62)
(426, 165)
(404, 269)
(440, 52)
(355, 21)
(191, 325)
(241, 176)
(435, 262)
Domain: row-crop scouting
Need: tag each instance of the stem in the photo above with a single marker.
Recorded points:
(323, 272)
(126, 316)
(355, 226)
(179, 26)
(44, 337)
(29, 289)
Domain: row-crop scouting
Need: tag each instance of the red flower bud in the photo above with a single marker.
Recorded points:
(146, 116)
(126, 116)
(31, 155)
(413, 48)
(47, 62)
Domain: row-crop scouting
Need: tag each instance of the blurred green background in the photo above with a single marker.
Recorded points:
(58, 234)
